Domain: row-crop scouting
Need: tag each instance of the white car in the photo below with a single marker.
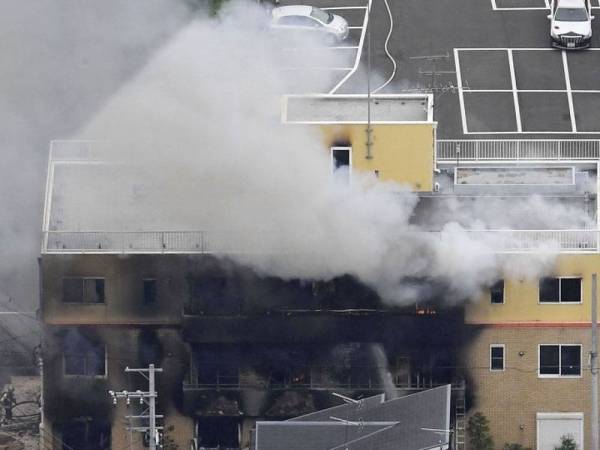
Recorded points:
(309, 18)
(570, 24)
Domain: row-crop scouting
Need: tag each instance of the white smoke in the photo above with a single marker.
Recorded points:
(201, 146)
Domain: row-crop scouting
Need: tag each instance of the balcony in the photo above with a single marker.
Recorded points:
(200, 242)
(572, 151)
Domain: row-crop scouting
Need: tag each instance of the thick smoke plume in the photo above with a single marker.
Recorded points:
(198, 144)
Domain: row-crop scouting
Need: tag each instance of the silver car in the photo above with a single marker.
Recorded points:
(309, 18)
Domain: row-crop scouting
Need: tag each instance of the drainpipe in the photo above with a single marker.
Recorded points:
(594, 365)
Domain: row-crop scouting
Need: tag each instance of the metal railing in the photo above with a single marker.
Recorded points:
(454, 150)
(149, 242)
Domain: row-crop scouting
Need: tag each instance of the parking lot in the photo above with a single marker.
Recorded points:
(517, 90)
(339, 61)
(488, 62)
(524, 5)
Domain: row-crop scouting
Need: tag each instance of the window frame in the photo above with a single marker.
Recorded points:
(332, 159)
(503, 293)
(155, 299)
(503, 347)
(71, 375)
(558, 375)
(83, 280)
(560, 302)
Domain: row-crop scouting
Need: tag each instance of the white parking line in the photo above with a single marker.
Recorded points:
(569, 93)
(461, 100)
(547, 91)
(318, 68)
(360, 45)
(329, 8)
(513, 81)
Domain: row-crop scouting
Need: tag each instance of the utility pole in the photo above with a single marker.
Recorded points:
(147, 398)
(369, 130)
(594, 364)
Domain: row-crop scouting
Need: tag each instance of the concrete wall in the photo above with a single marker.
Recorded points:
(401, 153)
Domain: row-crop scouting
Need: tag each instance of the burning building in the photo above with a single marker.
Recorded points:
(236, 344)
(476, 273)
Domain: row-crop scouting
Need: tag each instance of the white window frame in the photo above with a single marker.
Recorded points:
(503, 293)
(503, 347)
(332, 160)
(68, 375)
(546, 375)
(560, 302)
(558, 416)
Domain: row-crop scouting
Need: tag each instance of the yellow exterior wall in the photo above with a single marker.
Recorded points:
(400, 152)
(521, 297)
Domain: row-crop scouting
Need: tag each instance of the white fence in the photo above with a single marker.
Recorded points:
(97, 242)
(454, 151)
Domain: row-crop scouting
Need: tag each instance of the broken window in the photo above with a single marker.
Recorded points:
(83, 290)
(149, 291)
(560, 290)
(497, 292)
(341, 162)
(83, 357)
(559, 360)
(85, 434)
(214, 295)
(496, 357)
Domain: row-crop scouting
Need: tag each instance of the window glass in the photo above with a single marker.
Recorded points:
(72, 290)
(321, 15)
(570, 290)
(549, 289)
(497, 292)
(570, 360)
(549, 360)
(497, 358)
(83, 290)
(571, 15)
(149, 291)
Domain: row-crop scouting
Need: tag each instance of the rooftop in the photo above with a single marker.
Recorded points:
(353, 109)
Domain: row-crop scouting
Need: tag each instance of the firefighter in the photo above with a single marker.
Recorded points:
(8, 401)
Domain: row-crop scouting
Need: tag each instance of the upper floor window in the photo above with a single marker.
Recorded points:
(85, 359)
(83, 290)
(341, 162)
(149, 291)
(560, 290)
(496, 357)
(497, 292)
(559, 360)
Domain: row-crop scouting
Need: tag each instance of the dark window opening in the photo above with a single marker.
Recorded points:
(560, 360)
(570, 360)
(84, 358)
(496, 357)
(83, 290)
(497, 292)
(341, 157)
(218, 432)
(570, 290)
(86, 434)
(149, 291)
(214, 295)
(560, 290)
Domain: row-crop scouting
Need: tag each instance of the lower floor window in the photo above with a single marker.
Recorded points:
(559, 360)
(85, 434)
